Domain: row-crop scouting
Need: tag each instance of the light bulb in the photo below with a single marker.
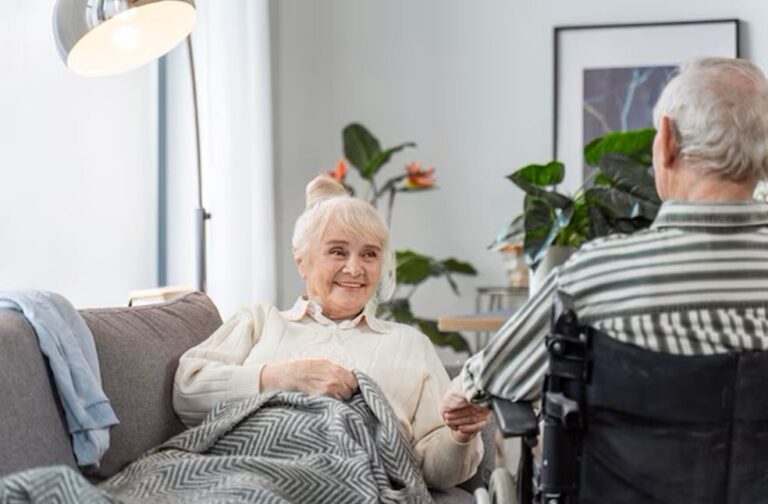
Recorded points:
(126, 37)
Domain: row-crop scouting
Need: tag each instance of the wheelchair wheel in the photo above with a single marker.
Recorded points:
(502, 488)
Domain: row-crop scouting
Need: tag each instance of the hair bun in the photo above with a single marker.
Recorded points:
(322, 188)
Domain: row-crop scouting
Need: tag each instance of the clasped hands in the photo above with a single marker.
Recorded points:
(463, 417)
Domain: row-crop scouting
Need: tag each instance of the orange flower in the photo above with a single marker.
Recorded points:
(340, 173)
(418, 178)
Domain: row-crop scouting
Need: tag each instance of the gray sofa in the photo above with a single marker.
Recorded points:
(138, 351)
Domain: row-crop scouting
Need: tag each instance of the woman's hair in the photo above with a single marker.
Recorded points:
(719, 113)
(329, 203)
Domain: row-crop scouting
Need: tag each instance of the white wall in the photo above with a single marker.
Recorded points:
(470, 82)
(78, 169)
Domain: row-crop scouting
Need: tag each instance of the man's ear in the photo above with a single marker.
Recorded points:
(667, 141)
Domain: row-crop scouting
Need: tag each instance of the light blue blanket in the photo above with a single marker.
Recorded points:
(66, 341)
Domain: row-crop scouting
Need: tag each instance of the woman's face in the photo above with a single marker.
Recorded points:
(342, 271)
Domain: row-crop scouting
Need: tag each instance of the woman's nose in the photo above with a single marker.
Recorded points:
(353, 267)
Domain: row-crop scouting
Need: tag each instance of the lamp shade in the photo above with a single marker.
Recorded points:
(105, 37)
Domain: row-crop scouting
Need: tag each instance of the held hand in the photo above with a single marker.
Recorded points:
(312, 376)
(464, 418)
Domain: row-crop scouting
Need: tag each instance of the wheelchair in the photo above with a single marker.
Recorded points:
(625, 425)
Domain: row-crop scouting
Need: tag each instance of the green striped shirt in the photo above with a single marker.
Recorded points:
(696, 282)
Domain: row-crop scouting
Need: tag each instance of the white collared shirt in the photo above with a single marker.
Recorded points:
(399, 358)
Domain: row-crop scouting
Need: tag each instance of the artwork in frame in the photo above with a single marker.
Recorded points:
(608, 78)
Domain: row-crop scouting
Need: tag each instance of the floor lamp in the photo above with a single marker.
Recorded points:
(105, 37)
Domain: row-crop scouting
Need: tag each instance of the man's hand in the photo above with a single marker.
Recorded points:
(312, 376)
(464, 418)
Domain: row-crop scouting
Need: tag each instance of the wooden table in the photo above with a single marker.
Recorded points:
(482, 324)
(479, 322)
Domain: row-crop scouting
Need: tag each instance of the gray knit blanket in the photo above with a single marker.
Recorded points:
(275, 447)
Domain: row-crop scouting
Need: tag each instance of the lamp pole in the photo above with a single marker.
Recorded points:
(201, 215)
(123, 41)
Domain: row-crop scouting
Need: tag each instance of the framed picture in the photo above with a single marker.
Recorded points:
(608, 78)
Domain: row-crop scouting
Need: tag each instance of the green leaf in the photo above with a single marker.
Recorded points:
(598, 223)
(601, 180)
(635, 144)
(560, 233)
(533, 179)
(456, 266)
(543, 224)
(549, 174)
(412, 268)
(381, 158)
(620, 204)
(451, 339)
(630, 176)
(579, 224)
(360, 146)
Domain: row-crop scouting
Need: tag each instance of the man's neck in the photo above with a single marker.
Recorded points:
(697, 187)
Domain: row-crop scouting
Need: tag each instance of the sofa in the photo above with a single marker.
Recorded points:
(138, 350)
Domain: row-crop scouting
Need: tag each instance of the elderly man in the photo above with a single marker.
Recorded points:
(696, 282)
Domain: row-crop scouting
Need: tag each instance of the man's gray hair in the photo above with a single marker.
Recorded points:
(719, 113)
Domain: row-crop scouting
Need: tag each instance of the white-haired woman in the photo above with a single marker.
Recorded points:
(341, 249)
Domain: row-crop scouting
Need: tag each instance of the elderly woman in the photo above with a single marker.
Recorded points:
(341, 249)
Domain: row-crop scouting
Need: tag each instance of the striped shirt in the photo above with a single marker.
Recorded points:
(696, 282)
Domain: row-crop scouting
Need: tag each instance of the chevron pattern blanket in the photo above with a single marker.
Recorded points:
(275, 447)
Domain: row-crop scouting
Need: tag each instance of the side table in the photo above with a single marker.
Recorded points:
(493, 306)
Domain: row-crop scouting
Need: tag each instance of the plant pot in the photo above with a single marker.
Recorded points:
(555, 256)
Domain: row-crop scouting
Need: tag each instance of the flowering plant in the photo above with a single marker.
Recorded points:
(363, 151)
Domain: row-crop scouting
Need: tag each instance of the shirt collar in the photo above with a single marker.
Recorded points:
(725, 214)
(312, 309)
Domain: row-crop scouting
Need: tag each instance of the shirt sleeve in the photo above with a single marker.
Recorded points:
(514, 363)
(214, 370)
(444, 461)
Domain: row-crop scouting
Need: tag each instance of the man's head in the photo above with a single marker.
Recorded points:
(712, 122)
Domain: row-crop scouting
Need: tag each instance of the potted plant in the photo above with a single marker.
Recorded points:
(364, 153)
(618, 197)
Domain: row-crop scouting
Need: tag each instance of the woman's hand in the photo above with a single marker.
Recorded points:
(312, 376)
(464, 418)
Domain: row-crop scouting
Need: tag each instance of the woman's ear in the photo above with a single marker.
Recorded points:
(299, 265)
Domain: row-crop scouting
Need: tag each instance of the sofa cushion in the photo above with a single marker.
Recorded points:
(32, 427)
(139, 349)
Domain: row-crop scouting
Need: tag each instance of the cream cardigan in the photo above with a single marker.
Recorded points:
(399, 358)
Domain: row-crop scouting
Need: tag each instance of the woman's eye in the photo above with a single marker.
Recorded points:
(337, 252)
(371, 255)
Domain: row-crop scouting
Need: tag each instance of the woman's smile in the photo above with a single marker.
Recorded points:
(350, 285)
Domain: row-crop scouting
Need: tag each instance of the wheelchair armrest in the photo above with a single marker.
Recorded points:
(515, 419)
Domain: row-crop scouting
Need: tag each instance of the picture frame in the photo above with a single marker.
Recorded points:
(607, 78)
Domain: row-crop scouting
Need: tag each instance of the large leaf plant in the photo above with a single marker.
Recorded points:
(364, 152)
(619, 197)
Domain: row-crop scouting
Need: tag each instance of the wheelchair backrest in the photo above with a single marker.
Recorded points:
(669, 428)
